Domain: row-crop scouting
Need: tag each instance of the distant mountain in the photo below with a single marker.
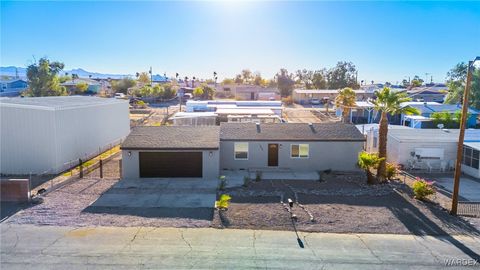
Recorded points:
(12, 71)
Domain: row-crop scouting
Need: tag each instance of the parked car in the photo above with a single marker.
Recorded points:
(120, 95)
(315, 101)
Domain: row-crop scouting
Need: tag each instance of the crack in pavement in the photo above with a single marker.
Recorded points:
(190, 249)
(369, 249)
(56, 240)
(427, 248)
(129, 244)
(255, 260)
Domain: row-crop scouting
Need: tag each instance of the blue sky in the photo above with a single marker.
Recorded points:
(385, 40)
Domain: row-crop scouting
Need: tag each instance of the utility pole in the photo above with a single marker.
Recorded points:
(151, 76)
(461, 137)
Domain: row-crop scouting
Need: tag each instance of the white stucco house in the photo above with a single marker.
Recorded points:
(203, 151)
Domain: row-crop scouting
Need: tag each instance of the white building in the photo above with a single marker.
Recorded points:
(49, 134)
(430, 149)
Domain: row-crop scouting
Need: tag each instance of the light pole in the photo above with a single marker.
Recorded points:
(461, 137)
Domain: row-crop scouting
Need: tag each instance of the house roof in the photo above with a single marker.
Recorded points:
(289, 132)
(12, 80)
(324, 91)
(58, 102)
(80, 80)
(426, 135)
(430, 107)
(172, 138)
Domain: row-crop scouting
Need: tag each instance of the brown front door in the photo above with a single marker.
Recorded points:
(272, 155)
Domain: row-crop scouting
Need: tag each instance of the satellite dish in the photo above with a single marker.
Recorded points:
(440, 126)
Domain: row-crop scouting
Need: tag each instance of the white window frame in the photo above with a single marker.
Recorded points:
(235, 151)
(298, 144)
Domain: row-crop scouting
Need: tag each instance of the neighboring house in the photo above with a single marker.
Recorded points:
(215, 105)
(94, 86)
(202, 151)
(247, 92)
(12, 87)
(428, 94)
(160, 79)
(421, 148)
(49, 134)
(426, 109)
(304, 96)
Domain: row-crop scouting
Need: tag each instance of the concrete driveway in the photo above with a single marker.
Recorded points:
(152, 197)
(469, 188)
(50, 247)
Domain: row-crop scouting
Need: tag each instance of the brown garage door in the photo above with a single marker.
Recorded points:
(171, 164)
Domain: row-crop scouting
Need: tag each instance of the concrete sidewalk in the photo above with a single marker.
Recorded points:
(48, 247)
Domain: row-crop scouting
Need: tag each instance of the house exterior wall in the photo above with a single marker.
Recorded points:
(471, 171)
(341, 156)
(399, 152)
(50, 141)
(131, 163)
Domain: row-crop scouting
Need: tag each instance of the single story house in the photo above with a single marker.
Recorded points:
(420, 148)
(93, 86)
(247, 92)
(202, 151)
(47, 135)
(12, 87)
(426, 109)
(303, 96)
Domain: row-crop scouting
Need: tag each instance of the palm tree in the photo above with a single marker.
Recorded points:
(368, 161)
(388, 102)
(345, 100)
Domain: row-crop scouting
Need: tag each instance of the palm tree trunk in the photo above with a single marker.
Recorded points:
(345, 115)
(382, 146)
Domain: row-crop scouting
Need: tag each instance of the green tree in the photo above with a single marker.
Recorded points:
(346, 100)
(388, 102)
(123, 85)
(456, 79)
(257, 79)
(228, 81)
(285, 82)
(208, 91)
(344, 74)
(43, 79)
(305, 77)
(246, 75)
(369, 161)
(198, 92)
(170, 91)
(144, 78)
(417, 81)
(238, 79)
(81, 88)
(319, 80)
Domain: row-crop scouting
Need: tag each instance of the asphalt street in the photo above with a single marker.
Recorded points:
(51, 247)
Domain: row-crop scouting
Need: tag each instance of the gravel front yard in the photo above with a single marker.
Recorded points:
(342, 204)
(65, 206)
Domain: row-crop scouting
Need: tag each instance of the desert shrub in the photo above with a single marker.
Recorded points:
(258, 176)
(287, 100)
(223, 202)
(391, 171)
(368, 161)
(223, 182)
(422, 189)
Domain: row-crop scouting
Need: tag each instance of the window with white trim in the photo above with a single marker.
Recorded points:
(470, 157)
(241, 150)
(299, 150)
